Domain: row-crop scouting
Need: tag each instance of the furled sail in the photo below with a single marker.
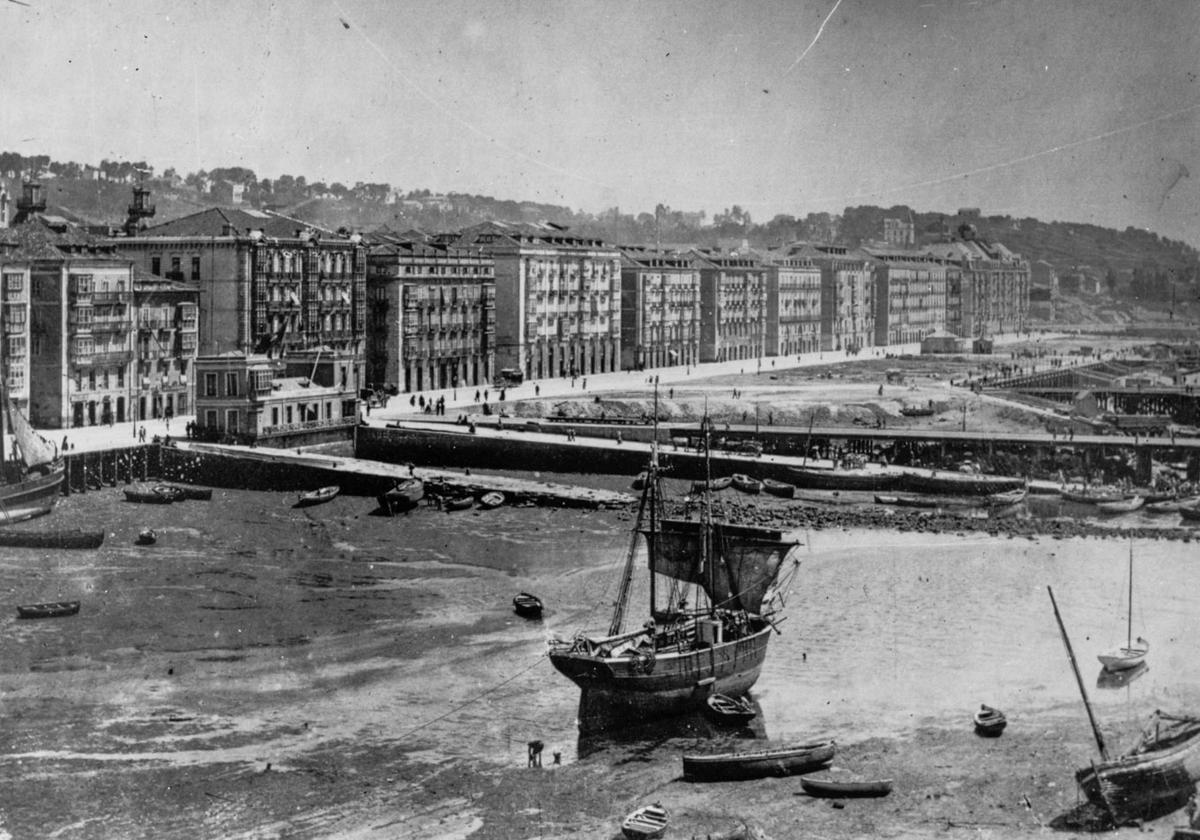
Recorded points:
(35, 449)
(746, 560)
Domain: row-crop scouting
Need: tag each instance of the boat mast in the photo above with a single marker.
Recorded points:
(618, 619)
(1129, 620)
(652, 486)
(1078, 679)
(706, 564)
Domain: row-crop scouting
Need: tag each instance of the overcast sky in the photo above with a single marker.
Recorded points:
(1079, 111)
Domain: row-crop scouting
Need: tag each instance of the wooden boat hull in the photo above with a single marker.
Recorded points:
(1123, 506)
(491, 500)
(51, 539)
(626, 691)
(527, 606)
(460, 503)
(1143, 787)
(647, 822)
(725, 711)
(148, 496)
(779, 488)
(33, 496)
(1190, 514)
(190, 491)
(737, 766)
(989, 722)
(747, 484)
(839, 790)
(318, 497)
(715, 485)
(51, 610)
(1123, 658)
(959, 484)
(815, 478)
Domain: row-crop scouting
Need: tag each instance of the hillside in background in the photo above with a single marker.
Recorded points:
(1132, 266)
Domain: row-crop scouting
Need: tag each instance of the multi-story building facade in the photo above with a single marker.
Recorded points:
(68, 320)
(558, 304)
(267, 283)
(910, 296)
(660, 308)
(247, 396)
(847, 296)
(167, 321)
(431, 317)
(793, 320)
(733, 306)
(994, 286)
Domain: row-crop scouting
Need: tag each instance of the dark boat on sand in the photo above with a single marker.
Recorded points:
(951, 483)
(708, 634)
(1190, 513)
(148, 495)
(779, 488)
(728, 711)
(55, 609)
(714, 484)
(844, 478)
(404, 496)
(189, 491)
(758, 764)
(50, 539)
(527, 606)
(989, 722)
(835, 789)
(746, 483)
(147, 536)
(463, 502)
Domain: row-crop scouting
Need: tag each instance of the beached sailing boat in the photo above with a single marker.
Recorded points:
(1132, 653)
(31, 475)
(708, 635)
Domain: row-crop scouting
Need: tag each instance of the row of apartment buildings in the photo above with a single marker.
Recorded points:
(113, 327)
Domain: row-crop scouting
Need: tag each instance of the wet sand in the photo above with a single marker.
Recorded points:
(265, 671)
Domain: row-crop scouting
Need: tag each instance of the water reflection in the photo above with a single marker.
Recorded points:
(1120, 679)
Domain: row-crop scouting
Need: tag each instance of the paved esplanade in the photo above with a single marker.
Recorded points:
(91, 438)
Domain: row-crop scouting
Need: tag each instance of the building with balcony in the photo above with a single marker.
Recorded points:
(67, 313)
(558, 303)
(733, 306)
(431, 314)
(258, 398)
(993, 294)
(167, 314)
(660, 308)
(847, 296)
(910, 295)
(793, 322)
(267, 283)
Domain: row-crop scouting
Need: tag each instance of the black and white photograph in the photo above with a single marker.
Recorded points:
(539, 419)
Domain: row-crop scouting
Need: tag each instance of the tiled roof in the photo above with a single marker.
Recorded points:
(218, 221)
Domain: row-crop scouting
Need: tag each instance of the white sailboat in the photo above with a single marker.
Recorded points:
(1133, 652)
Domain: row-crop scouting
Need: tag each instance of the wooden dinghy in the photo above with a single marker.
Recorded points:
(724, 710)
(746, 483)
(647, 821)
(55, 609)
(757, 764)
(465, 502)
(836, 789)
(404, 496)
(715, 485)
(779, 488)
(1126, 505)
(148, 495)
(527, 605)
(989, 722)
(491, 500)
(318, 496)
(147, 536)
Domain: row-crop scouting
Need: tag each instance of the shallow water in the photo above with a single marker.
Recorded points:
(254, 632)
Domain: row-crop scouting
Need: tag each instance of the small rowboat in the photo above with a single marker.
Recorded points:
(989, 722)
(746, 483)
(318, 496)
(146, 495)
(460, 503)
(841, 790)
(1190, 513)
(147, 536)
(779, 488)
(491, 500)
(527, 606)
(724, 710)
(780, 761)
(647, 821)
(1126, 656)
(188, 491)
(715, 484)
(51, 610)
(171, 492)
(1126, 505)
